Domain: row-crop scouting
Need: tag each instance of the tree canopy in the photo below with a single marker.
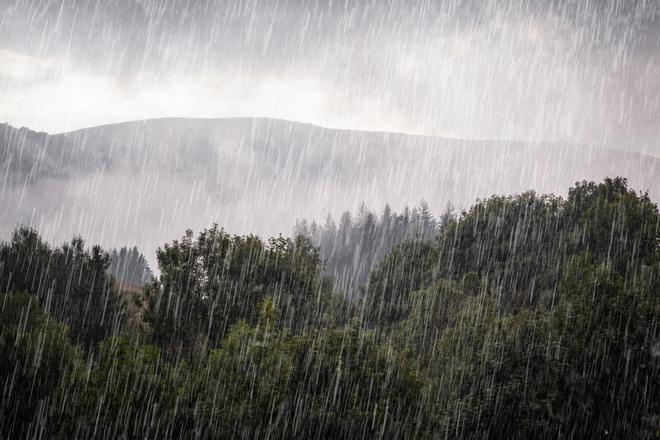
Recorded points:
(528, 316)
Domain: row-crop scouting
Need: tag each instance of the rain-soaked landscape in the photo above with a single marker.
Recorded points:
(272, 219)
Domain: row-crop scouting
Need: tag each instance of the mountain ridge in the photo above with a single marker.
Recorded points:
(325, 127)
(144, 182)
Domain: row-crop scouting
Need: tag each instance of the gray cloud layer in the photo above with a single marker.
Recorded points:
(579, 71)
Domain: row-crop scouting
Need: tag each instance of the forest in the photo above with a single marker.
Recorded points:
(527, 316)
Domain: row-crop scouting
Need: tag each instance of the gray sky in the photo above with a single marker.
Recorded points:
(578, 71)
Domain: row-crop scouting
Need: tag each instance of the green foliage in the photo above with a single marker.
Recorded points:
(209, 283)
(606, 330)
(483, 374)
(410, 266)
(587, 367)
(38, 362)
(432, 310)
(70, 283)
(249, 376)
(528, 317)
(361, 386)
(520, 246)
(615, 224)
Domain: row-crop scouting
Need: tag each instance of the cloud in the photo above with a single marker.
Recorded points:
(526, 69)
(55, 96)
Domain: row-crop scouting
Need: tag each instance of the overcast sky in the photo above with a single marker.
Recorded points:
(578, 71)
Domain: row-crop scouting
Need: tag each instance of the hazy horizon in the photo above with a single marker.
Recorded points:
(382, 131)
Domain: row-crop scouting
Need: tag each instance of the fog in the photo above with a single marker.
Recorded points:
(144, 183)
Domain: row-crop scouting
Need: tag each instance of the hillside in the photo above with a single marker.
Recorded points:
(141, 183)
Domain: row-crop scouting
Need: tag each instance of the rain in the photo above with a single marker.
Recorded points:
(275, 219)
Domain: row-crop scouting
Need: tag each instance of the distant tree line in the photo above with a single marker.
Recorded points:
(353, 246)
(527, 316)
(130, 267)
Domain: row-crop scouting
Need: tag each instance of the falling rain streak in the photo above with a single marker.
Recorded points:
(329, 219)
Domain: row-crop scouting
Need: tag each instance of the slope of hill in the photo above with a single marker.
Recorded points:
(142, 183)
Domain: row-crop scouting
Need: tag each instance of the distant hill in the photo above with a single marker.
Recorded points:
(142, 183)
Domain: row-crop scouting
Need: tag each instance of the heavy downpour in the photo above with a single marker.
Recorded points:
(329, 219)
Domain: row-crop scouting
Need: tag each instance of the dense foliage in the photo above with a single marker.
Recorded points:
(70, 282)
(209, 283)
(524, 317)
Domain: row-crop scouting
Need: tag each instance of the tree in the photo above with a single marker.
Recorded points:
(37, 359)
(209, 283)
(606, 330)
(409, 267)
(70, 282)
(130, 267)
